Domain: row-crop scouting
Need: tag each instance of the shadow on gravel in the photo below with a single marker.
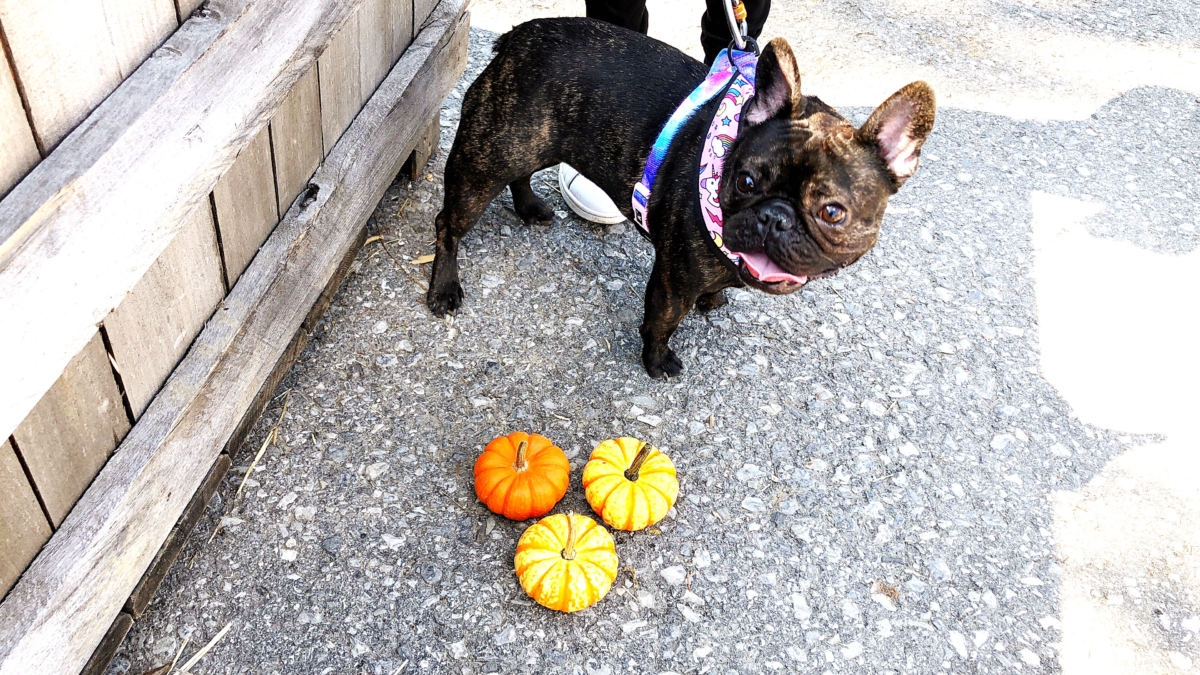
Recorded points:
(895, 431)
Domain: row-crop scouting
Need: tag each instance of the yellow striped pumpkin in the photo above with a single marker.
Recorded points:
(566, 562)
(630, 483)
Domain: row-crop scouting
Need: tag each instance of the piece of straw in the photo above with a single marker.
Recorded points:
(177, 655)
(187, 667)
(272, 436)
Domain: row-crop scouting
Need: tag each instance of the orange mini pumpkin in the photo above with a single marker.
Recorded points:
(566, 562)
(630, 483)
(521, 476)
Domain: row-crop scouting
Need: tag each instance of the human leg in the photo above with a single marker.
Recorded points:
(714, 27)
(629, 14)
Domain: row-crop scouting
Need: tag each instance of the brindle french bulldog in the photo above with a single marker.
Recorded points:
(803, 191)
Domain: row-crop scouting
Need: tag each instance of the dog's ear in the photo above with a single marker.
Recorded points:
(899, 127)
(777, 86)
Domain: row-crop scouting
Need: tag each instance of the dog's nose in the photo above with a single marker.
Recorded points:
(776, 217)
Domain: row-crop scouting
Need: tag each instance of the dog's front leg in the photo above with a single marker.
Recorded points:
(666, 305)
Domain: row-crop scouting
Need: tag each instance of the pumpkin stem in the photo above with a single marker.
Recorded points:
(634, 471)
(521, 464)
(568, 553)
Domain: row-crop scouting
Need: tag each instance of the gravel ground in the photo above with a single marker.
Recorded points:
(903, 469)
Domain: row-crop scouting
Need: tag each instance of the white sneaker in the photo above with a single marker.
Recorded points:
(586, 198)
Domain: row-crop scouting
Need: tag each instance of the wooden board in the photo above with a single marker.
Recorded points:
(247, 208)
(422, 10)
(374, 44)
(58, 612)
(268, 390)
(18, 152)
(400, 13)
(296, 143)
(155, 324)
(148, 586)
(23, 525)
(74, 428)
(426, 146)
(341, 90)
(79, 233)
(184, 8)
(107, 649)
(64, 58)
(136, 28)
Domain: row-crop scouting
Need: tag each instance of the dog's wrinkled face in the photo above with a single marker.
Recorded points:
(803, 192)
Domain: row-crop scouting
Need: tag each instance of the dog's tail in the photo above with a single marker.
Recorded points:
(501, 42)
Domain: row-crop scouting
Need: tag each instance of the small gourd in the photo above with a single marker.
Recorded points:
(630, 483)
(521, 476)
(566, 562)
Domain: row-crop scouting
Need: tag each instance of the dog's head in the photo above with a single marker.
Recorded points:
(803, 192)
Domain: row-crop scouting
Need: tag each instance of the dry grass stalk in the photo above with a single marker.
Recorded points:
(187, 667)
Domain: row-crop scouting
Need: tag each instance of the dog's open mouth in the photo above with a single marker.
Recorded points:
(766, 271)
(757, 270)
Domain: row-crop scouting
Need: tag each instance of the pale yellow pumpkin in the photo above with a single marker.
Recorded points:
(566, 562)
(630, 484)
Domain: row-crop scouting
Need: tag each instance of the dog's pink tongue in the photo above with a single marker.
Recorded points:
(767, 271)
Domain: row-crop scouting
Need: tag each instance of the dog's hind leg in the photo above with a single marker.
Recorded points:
(528, 205)
(466, 199)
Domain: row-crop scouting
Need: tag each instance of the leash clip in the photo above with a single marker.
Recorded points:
(735, 14)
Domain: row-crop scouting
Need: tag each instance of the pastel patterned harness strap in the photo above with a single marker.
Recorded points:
(733, 72)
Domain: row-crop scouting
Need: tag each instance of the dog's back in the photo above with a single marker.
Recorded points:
(579, 91)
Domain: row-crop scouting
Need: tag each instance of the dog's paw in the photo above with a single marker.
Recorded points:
(667, 365)
(443, 299)
(535, 213)
(710, 301)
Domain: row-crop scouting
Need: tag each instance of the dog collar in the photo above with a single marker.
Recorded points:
(734, 73)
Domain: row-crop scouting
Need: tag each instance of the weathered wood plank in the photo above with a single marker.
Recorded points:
(136, 28)
(299, 342)
(374, 44)
(426, 146)
(64, 58)
(109, 644)
(124, 181)
(58, 611)
(73, 429)
(296, 139)
(266, 392)
(155, 324)
(184, 8)
(18, 152)
(23, 526)
(400, 13)
(422, 11)
(148, 586)
(335, 283)
(70, 54)
(341, 83)
(84, 149)
(247, 208)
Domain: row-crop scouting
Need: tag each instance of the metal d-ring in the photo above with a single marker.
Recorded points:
(749, 44)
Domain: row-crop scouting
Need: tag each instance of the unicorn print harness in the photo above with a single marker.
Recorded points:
(732, 76)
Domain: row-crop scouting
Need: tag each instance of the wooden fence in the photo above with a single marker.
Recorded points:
(183, 187)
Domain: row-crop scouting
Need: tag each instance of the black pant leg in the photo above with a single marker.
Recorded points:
(714, 27)
(629, 14)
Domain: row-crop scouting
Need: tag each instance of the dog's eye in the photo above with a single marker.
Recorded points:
(745, 182)
(833, 214)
